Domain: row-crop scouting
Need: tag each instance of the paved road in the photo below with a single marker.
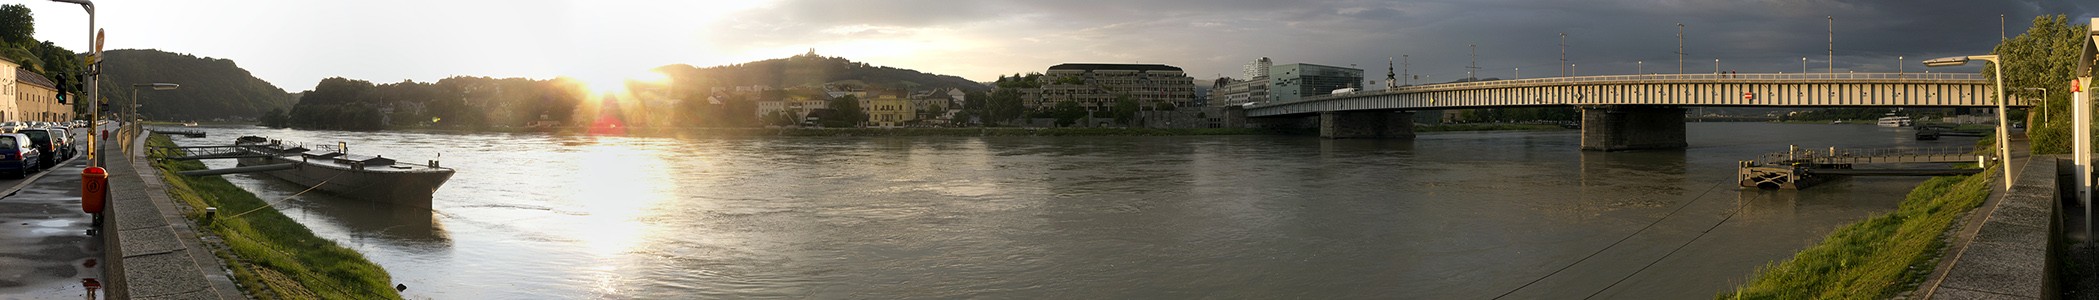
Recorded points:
(44, 247)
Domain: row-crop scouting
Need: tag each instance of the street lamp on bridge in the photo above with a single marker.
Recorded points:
(2004, 157)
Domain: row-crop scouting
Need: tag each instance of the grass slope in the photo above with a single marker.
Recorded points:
(274, 257)
(1875, 258)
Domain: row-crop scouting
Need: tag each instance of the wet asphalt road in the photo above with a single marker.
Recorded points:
(45, 249)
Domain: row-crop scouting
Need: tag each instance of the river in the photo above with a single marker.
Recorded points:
(1459, 215)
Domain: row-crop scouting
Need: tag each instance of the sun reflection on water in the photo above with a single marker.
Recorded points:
(615, 185)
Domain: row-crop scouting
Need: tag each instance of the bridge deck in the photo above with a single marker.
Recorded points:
(1844, 89)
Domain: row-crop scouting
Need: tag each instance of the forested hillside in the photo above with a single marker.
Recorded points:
(212, 88)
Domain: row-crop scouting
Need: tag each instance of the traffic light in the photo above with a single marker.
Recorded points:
(61, 97)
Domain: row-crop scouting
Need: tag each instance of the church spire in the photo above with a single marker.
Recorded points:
(1391, 80)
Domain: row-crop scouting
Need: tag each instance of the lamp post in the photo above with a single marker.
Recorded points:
(1803, 65)
(157, 86)
(2004, 156)
(1899, 67)
(2044, 103)
(1716, 66)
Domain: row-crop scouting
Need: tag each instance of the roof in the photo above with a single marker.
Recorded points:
(1132, 67)
(32, 78)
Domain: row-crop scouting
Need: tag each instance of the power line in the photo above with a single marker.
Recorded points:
(1701, 234)
(1679, 208)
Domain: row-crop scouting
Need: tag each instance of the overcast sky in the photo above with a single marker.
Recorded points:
(296, 43)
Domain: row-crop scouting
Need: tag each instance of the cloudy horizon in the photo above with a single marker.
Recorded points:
(295, 44)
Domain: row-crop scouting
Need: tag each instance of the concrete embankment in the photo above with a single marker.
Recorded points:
(153, 252)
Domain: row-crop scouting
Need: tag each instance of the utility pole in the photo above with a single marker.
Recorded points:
(2000, 28)
(1679, 48)
(1406, 70)
(1474, 68)
(1563, 55)
(1832, 44)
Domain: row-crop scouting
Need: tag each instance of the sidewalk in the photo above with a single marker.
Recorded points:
(44, 241)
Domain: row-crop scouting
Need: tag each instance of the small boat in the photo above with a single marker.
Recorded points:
(1893, 120)
(367, 177)
(189, 124)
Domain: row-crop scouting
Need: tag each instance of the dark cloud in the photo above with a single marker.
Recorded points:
(1604, 36)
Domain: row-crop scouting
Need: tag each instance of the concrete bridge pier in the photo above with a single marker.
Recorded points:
(1632, 127)
(1367, 124)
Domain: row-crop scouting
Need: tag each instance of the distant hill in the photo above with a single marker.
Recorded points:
(810, 70)
(211, 87)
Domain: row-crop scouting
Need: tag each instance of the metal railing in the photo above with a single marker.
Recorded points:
(1866, 155)
(1649, 78)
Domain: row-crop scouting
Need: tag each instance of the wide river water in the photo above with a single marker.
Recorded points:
(1464, 215)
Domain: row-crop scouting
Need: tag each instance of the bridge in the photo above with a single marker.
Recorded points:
(1623, 112)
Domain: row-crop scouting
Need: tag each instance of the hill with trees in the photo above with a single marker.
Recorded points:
(212, 88)
(694, 97)
(810, 70)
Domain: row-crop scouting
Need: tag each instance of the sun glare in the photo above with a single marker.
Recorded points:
(601, 85)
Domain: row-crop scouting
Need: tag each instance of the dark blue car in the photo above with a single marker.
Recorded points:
(18, 156)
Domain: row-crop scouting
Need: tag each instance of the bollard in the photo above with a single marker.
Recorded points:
(94, 188)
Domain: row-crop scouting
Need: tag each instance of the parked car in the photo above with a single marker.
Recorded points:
(18, 158)
(42, 140)
(64, 141)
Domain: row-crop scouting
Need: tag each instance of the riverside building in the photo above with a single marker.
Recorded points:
(1095, 86)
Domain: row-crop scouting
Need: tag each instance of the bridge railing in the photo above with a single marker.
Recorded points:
(1814, 154)
(1644, 78)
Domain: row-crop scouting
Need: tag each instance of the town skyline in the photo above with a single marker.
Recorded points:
(981, 40)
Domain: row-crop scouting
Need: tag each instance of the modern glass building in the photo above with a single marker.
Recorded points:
(1295, 81)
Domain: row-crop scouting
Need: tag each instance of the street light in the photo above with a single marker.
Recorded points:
(157, 86)
(2004, 152)
(2044, 103)
(93, 93)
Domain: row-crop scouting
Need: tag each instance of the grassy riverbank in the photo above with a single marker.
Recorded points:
(273, 256)
(1878, 257)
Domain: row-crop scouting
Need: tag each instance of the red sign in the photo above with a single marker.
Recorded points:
(1748, 96)
(2076, 88)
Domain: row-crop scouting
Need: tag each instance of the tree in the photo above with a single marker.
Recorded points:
(1125, 109)
(847, 112)
(274, 118)
(1005, 105)
(1067, 112)
(17, 25)
(2044, 57)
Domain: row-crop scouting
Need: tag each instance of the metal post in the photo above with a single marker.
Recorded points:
(1832, 44)
(1564, 67)
(1679, 48)
(2004, 139)
(2081, 143)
